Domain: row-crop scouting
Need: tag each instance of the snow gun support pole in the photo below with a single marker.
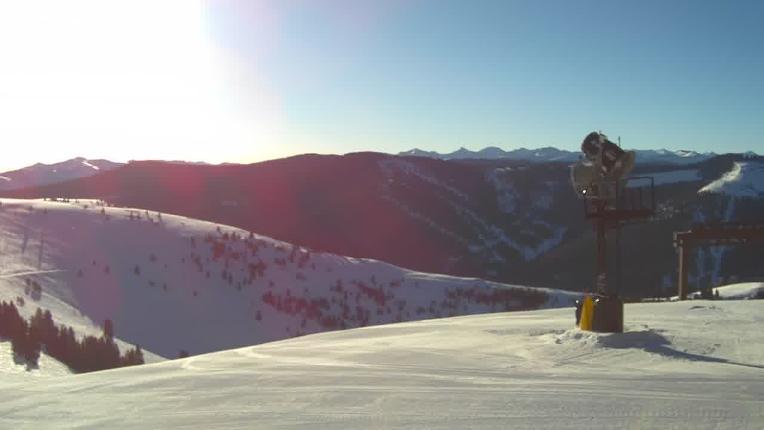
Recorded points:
(609, 201)
(601, 280)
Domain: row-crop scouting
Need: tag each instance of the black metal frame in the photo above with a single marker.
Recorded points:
(628, 203)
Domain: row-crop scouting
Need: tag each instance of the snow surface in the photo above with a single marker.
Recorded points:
(694, 365)
(171, 283)
(746, 179)
(507, 198)
(742, 291)
(506, 194)
(92, 166)
(13, 371)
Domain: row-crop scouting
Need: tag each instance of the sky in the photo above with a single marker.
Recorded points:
(244, 81)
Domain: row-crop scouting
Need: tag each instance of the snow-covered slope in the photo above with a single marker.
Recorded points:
(12, 371)
(742, 291)
(693, 365)
(171, 283)
(746, 179)
(44, 174)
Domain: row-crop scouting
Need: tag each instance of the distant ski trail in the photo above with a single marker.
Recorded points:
(33, 272)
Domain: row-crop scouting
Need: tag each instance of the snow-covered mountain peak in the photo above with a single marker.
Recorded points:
(416, 152)
(686, 153)
(491, 152)
(43, 174)
(552, 154)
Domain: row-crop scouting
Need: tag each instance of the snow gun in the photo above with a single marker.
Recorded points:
(611, 198)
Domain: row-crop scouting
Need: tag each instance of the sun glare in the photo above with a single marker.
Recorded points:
(114, 79)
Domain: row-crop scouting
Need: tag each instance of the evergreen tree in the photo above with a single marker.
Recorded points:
(25, 346)
(132, 357)
(108, 329)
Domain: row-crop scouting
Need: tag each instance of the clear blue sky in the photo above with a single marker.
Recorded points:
(246, 80)
(440, 74)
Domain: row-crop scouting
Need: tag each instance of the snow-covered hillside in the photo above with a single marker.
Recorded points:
(13, 370)
(741, 291)
(42, 174)
(171, 283)
(746, 179)
(489, 239)
(693, 365)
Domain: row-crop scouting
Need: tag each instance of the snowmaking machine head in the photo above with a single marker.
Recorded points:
(601, 169)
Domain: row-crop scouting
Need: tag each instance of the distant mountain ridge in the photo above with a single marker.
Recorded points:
(505, 220)
(44, 174)
(551, 154)
(40, 174)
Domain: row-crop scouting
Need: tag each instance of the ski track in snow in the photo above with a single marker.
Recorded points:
(92, 166)
(695, 365)
(29, 273)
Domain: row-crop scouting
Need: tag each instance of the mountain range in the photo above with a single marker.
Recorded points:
(504, 220)
(550, 154)
(80, 167)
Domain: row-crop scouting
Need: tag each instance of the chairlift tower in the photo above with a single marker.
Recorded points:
(611, 198)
